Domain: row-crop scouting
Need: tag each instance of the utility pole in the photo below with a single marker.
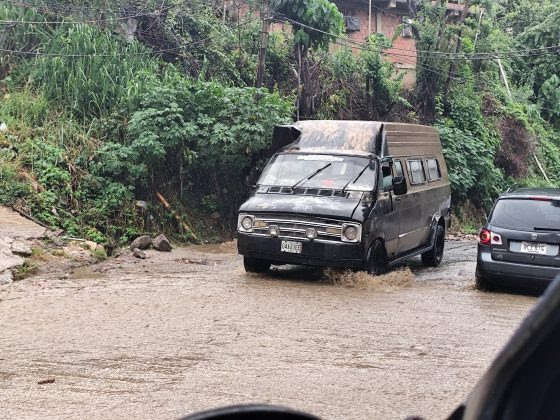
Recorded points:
(504, 78)
(478, 28)
(369, 20)
(264, 44)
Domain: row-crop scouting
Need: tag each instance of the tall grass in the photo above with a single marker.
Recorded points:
(93, 72)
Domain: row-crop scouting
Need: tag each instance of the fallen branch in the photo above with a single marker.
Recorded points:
(27, 216)
(167, 206)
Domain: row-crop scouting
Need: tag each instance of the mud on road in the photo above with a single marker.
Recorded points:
(189, 330)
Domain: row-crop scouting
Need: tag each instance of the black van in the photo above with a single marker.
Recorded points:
(356, 194)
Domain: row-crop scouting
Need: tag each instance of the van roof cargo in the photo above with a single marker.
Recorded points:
(356, 137)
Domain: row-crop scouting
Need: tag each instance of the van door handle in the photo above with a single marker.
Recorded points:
(397, 198)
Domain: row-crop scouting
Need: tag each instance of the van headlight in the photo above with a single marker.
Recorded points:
(245, 223)
(351, 232)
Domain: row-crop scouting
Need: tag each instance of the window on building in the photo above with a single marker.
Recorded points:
(351, 20)
(407, 27)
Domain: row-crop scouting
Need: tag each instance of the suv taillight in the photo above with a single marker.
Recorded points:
(496, 239)
(485, 237)
(490, 238)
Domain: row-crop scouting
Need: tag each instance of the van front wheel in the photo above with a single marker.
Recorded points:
(377, 262)
(255, 265)
(433, 257)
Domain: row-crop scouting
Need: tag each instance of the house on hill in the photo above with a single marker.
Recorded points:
(365, 17)
(387, 17)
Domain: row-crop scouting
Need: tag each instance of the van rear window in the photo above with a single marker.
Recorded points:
(526, 214)
(416, 172)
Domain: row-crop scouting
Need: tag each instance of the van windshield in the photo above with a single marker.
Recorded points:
(323, 171)
(524, 214)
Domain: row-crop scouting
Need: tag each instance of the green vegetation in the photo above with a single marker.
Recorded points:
(104, 115)
(27, 269)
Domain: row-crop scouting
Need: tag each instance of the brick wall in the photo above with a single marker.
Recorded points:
(404, 52)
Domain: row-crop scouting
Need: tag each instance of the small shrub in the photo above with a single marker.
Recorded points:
(28, 269)
(99, 253)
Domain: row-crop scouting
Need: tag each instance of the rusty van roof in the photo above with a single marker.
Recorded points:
(356, 137)
(325, 136)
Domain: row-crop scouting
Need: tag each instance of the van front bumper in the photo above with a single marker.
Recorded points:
(514, 273)
(318, 253)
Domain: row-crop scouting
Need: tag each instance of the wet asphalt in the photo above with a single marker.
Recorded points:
(190, 330)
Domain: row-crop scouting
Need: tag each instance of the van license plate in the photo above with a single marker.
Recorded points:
(292, 247)
(533, 248)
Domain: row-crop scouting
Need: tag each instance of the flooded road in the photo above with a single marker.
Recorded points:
(189, 330)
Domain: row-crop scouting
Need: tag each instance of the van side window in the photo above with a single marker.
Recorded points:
(416, 171)
(397, 168)
(387, 176)
(433, 169)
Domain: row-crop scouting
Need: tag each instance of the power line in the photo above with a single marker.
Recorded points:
(49, 8)
(446, 55)
(92, 21)
(54, 11)
(45, 54)
(418, 65)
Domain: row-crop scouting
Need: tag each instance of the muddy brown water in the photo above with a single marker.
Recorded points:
(189, 330)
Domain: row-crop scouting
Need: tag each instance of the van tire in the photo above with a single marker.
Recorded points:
(255, 265)
(377, 263)
(434, 256)
(481, 283)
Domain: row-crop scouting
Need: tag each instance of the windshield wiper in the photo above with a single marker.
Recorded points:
(546, 229)
(352, 181)
(307, 178)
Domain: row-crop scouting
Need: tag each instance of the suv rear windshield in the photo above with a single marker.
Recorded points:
(526, 214)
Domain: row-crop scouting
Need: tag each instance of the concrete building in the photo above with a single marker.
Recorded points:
(387, 17)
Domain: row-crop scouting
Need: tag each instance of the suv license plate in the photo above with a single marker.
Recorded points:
(292, 247)
(533, 248)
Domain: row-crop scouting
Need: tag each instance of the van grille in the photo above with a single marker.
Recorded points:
(323, 192)
(295, 227)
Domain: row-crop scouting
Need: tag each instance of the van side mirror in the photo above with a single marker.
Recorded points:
(253, 177)
(399, 185)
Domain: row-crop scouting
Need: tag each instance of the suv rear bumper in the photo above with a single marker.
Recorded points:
(525, 274)
(318, 253)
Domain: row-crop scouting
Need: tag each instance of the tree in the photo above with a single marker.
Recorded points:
(534, 26)
(316, 22)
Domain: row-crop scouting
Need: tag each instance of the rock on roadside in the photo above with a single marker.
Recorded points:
(21, 249)
(9, 260)
(6, 277)
(161, 243)
(138, 253)
(142, 242)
